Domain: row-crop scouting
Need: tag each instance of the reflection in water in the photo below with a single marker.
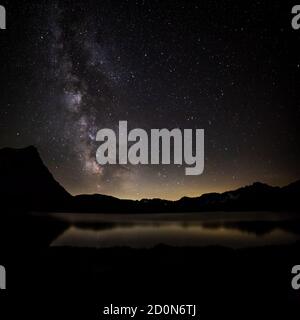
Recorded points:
(139, 231)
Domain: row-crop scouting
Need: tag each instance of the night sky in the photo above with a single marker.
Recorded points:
(232, 68)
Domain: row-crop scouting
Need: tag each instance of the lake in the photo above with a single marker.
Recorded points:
(230, 229)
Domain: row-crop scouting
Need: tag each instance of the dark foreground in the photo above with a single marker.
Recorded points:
(254, 283)
(68, 283)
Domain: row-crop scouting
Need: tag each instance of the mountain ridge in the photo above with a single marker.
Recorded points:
(27, 183)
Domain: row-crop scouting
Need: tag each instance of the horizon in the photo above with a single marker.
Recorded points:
(160, 198)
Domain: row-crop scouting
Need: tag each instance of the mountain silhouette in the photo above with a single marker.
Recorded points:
(28, 184)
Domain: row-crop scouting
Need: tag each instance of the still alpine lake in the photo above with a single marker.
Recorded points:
(230, 229)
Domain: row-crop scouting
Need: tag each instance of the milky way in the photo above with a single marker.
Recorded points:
(81, 67)
(74, 67)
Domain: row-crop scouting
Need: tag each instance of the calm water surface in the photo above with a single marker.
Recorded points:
(234, 230)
